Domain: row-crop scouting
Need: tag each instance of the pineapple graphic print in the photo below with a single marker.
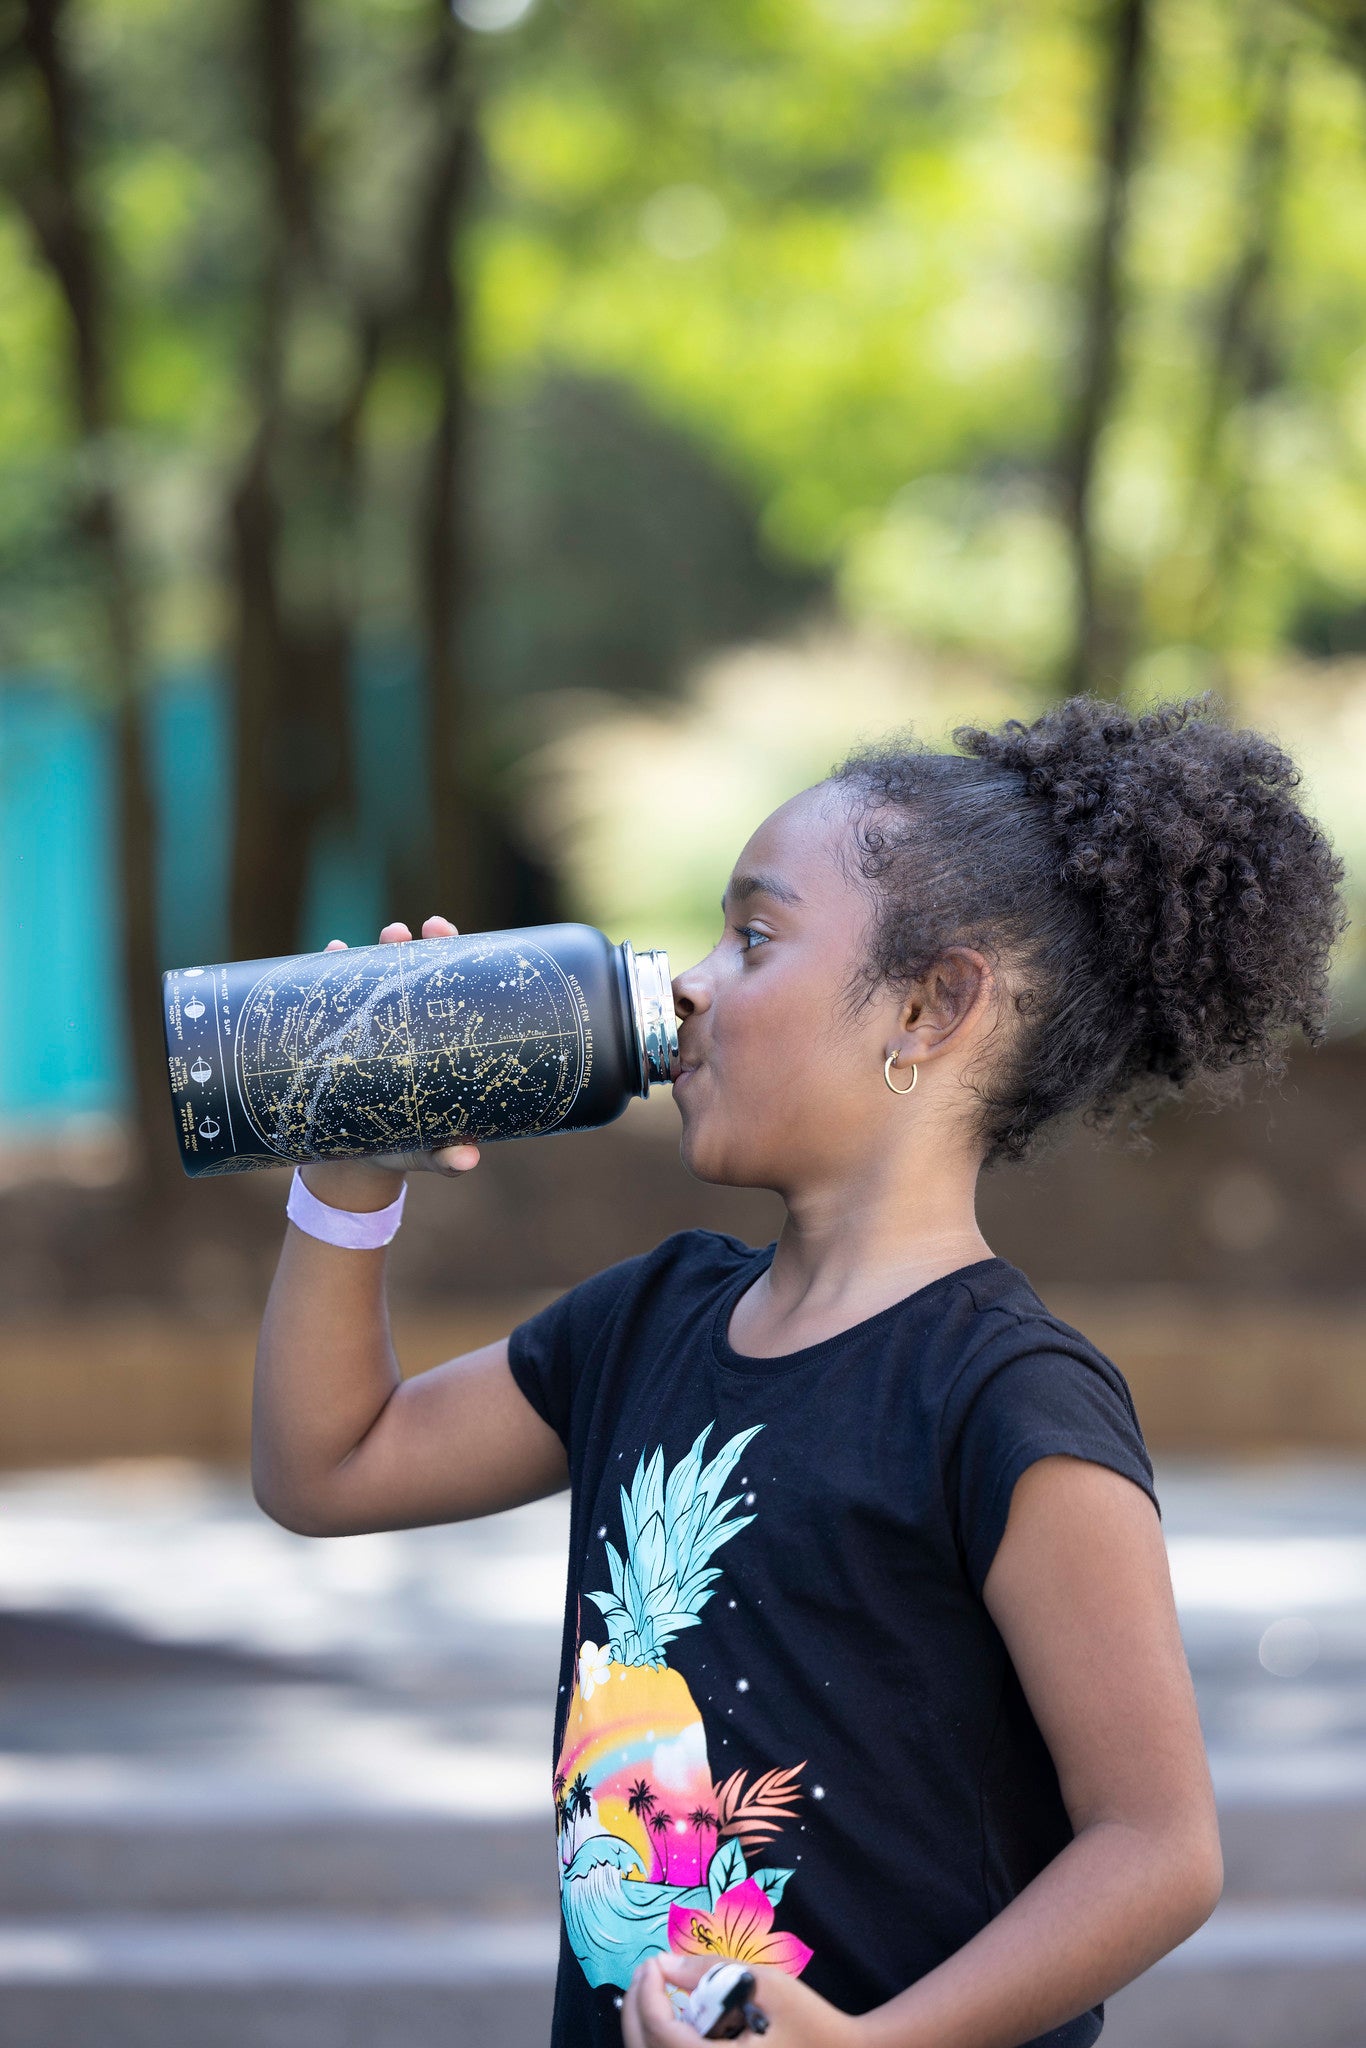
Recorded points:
(653, 1852)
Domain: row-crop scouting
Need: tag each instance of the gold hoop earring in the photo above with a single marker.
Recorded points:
(888, 1064)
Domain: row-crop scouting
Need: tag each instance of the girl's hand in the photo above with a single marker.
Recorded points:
(370, 1183)
(797, 2016)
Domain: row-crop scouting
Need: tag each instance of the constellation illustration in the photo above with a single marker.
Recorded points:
(375, 1050)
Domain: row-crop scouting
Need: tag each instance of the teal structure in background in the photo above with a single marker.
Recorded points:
(63, 1027)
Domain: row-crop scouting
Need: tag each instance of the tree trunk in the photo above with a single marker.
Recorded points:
(456, 779)
(458, 886)
(1096, 656)
(478, 876)
(1241, 361)
(292, 650)
(51, 192)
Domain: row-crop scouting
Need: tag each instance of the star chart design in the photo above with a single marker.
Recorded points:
(389, 1049)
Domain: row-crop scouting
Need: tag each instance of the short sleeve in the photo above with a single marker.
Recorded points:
(550, 1353)
(539, 1360)
(1045, 1393)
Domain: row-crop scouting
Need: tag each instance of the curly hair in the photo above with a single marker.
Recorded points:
(1158, 904)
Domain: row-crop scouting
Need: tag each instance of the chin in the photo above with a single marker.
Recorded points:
(719, 1165)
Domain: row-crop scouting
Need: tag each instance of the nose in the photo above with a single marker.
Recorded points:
(690, 991)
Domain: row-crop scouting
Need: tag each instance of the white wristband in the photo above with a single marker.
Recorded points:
(355, 1230)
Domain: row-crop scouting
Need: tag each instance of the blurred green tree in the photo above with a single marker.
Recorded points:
(44, 167)
(563, 346)
(1033, 327)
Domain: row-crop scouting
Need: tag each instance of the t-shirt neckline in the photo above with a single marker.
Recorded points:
(729, 1359)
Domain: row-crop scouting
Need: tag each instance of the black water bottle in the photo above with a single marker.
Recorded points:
(406, 1048)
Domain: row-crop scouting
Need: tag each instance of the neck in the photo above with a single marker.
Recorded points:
(852, 1245)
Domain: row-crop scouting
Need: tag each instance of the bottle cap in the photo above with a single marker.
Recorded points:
(652, 1009)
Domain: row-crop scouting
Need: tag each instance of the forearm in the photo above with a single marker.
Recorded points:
(1118, 1897)
(325, 1363)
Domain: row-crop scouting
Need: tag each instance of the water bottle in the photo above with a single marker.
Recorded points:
(405, 1048)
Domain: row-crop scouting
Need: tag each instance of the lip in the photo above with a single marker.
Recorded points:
(685, 1071)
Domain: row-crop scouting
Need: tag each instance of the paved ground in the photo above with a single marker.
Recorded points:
(261, 1790)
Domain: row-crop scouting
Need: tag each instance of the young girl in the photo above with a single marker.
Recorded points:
(871, 1675)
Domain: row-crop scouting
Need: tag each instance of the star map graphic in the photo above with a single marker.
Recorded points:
(378, 1050)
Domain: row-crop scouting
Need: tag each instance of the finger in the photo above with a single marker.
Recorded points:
(631, 2032)
(393, 933)
(455, 1159)
(439, 928)
(659, 2022)
(335, 945)
(685, 1971)
(635, 2029)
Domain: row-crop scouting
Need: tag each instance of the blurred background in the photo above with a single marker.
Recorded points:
(479, 459)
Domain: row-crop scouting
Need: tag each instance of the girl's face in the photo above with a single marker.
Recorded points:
(781, 1087)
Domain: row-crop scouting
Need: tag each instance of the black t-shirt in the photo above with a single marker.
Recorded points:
(787, 1727)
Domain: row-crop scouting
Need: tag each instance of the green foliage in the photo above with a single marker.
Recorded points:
(841, 242)
(834, 248)
(836, 241)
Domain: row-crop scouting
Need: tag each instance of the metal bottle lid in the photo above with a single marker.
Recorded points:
(652, 1011)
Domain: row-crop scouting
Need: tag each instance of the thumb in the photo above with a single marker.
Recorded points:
(455, 1158)
(687, 1971)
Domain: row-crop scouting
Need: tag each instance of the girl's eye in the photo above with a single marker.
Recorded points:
(747, 931)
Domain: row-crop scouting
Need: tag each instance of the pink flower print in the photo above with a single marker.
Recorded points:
(739, 1925)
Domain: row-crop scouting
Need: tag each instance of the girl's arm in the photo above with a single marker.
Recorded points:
(1081, 1593)
(341, 1442)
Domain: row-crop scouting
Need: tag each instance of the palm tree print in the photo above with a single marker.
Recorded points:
(570, 1804)
(701, 1817)
(620, 1896)
(661, 1822)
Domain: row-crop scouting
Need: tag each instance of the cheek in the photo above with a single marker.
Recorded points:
(755, 1013)
(773, 1028)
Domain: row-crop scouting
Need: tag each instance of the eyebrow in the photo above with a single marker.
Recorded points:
(742, 887)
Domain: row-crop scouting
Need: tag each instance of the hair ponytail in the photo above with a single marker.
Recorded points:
(1158, 904)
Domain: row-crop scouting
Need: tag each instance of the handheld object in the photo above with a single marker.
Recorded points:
(722, 2004)
(405, 1048)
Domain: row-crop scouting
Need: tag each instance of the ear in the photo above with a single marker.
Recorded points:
(952, 996)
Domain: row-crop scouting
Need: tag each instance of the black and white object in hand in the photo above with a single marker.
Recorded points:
(721, 2006)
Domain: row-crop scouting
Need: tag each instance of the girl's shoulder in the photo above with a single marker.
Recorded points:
(1027, 1373)
(1010, 1312)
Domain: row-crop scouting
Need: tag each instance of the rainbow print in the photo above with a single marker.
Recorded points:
(652, 1849)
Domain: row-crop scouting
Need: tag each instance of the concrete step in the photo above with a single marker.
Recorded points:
(1289, 1851)
(1256, 1976)
(280, 1948)
(219, 1851)
(476, 2015)
(374, 1862)
(295, 1981)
